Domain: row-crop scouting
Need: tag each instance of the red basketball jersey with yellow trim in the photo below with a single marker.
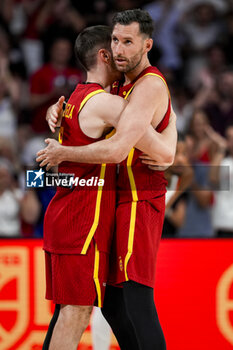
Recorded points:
(77, 215)
(135, 180)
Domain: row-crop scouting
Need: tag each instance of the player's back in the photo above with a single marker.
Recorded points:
(77, 214)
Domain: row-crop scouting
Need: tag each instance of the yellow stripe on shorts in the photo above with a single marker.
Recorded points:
(96, 275)
(131, 236)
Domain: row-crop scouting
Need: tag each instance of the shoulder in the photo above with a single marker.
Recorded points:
(103, 98)
(153, 80)
(150, 85)
(105, 107)
(103, 102)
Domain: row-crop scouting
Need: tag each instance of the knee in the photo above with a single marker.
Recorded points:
(71, 317)
(84, 317)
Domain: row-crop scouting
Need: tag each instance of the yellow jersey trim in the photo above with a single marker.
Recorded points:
(131, 236)
(97, 206)
(97, 212)
(133, 187)
(130, 174)
(110, 134)
(96, 275)
(93, 93)
(60, 135)
(129, 168)
(157, 75)
(133, 211)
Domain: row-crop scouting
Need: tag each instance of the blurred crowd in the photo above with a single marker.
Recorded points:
(193, 42)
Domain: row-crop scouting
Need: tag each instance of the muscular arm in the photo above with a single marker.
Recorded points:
(161, 147)
(134, 129)
(134, 122)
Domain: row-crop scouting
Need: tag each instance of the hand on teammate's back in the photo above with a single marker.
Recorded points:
(152, 164)
(50, 156)
(54, 114)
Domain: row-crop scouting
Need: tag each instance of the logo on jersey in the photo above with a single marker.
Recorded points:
(115, 84)
(35, 178)
(120, 264)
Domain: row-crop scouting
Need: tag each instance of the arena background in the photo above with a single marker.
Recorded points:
(193, 43)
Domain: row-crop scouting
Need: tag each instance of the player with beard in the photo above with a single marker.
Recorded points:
(141, 192)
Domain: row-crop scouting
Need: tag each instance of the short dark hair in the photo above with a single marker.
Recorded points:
(140, 16)
(88, 43)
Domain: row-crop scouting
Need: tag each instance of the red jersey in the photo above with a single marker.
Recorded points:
(135, 180)
(78, 214)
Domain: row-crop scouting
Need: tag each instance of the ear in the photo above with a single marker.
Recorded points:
(104, 55)
(148, 44)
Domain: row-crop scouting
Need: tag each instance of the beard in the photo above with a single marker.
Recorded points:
(130, 64)
(114, 72)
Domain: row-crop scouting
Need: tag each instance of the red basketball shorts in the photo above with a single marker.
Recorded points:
(136, 241)
(77, 279)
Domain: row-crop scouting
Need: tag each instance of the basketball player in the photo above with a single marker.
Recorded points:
(68, 328)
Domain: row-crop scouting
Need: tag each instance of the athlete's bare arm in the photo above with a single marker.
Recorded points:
(158, 146)
(148, 104)
(164, 143)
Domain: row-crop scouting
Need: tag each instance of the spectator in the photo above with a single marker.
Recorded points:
(179, 177)
(15, 204)
(221, 177)
(166, 15)
(30, 213)
(201, 28)
(12, 73)
(10, 201)
(8, 151)
(215, 63)
(217, 101)
(97, 11)
(44, 19)
(183, 107)
(54, 79)
(14, 14)
(62, 19)
(220, 108)
(228, 40)
(200, 147)
(9, 99)
(198, 221)
(39, 198)
(31, 44)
